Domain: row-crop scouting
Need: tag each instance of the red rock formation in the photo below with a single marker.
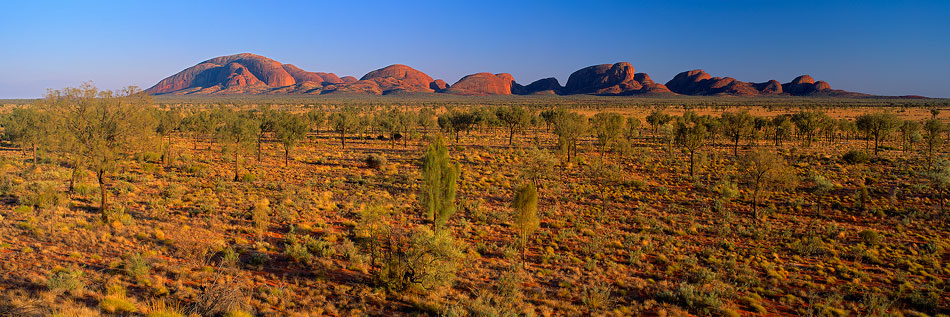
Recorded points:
(438, 85)
(483, 84)
(616, 79)
(348, 79)
(399, 77)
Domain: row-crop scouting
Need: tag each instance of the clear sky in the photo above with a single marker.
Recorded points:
(880, 47)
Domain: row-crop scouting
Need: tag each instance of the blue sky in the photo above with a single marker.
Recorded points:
(880, 47)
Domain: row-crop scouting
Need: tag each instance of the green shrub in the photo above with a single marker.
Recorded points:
(870, 237)
(855, 156)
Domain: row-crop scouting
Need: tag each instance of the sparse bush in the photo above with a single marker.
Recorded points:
(375, 161)
(596, 295)
(220, 299)
(427, 260)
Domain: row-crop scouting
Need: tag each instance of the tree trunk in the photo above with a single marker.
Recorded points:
(260, 140)
(692, 154)
(286, 156)
(237, 165)
(343, 139)
(35, 158)
(103, 202)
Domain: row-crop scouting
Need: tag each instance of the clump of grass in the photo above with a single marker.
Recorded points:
(596, 295)
(135, 265)
(115, 300)
(65, 281)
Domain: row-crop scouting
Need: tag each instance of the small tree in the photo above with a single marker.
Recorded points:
(344, 122)
(457, 121)
(569, 127)
(240, 130)
(656, 119)
(426, 120)
(877, 126)
(632, 128)
(439, 177)
(933, 134)
(940, 178)
(525, 205)
(737, 126)
(27, 127)
(807, 124)
(607, 127)
(104, 126)
(538, 165)
(514, 118)
(764, 172)
(910, 132)
(267, 121)
(290, 130)
(691, 136)
(822, 187)
(168, 122)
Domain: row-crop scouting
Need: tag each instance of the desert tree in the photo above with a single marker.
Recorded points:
(457, 121)
(657, 118)
(343, 122)
(240, 130)
(764, 172)
(782, 129)
(537, 166)
(736, 126)
(267, 123)
(28, 127)
(807, 124)
(569, 128)
(933, 135)
(104, 127)
(690, 134)
(426, 120)
(910, 133)
(877, 126)
(439, 177)
(607, 127)
(525, 205)
(290, 129)
(167, 123)
(940, 178)
(514, 118)
(317, 119)
(632, 128)
(198, 124)
(389, 123)
(822, 186)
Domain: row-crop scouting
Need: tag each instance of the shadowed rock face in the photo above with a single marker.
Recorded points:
(607, 79)
(253, 74)
(542, 86)
(483, 84)
(697, 82)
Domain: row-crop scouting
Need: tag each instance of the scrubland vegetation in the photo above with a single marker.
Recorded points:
(118, 204)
